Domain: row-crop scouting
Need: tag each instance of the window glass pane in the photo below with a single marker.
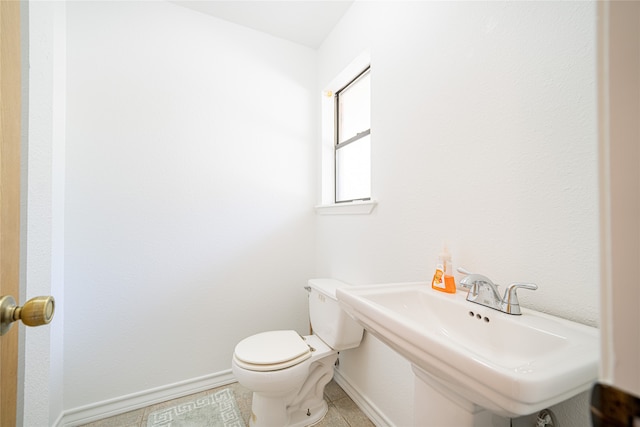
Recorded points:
(353, 170)
(354, 107)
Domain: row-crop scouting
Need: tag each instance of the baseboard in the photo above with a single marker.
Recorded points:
(58, 421)
(120, 405)
(367, 406)
(131, 402)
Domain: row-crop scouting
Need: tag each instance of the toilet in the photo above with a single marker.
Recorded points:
(287, 372)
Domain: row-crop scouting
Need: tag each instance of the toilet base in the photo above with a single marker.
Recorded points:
(263, 413)
(302, 407)
(309, 416)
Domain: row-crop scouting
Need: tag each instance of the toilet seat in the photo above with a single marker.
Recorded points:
(271, 351)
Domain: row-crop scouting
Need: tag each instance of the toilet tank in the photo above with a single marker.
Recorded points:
(328, 321)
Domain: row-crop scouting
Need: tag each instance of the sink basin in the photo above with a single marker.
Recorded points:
(510, 365)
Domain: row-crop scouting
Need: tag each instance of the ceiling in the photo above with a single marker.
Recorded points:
(300, 21)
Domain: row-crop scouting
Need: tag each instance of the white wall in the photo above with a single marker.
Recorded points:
(484, 136)
(43, 165)
(175, 203)
(190, 177)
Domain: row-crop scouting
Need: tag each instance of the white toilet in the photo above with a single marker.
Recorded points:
(288, 372)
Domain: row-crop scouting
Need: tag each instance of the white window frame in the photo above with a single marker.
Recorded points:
(340, 143)
(327, 204)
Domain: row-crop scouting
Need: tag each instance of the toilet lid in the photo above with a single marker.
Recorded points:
(269, 351)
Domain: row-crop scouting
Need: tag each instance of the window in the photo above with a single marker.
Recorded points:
(352, 154)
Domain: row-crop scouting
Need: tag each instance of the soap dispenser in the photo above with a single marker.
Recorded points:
(443, 279)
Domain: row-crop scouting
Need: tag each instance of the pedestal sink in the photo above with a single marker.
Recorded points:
(469, 359)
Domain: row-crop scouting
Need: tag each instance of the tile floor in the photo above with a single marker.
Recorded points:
(343, 412)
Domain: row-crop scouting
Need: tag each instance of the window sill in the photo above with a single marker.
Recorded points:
(350, 208)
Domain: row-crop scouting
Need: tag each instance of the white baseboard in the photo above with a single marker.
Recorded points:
(367, 406)
(131, 402)
(120, 405)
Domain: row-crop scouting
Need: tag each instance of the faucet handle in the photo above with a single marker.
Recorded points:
(463, 271)
(463, 283)
(510, 302)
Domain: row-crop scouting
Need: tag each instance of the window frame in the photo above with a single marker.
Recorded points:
(339, 145)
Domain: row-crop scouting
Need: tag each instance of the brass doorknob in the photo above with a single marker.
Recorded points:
(35, 312)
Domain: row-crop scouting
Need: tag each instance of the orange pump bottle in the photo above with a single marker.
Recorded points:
(443, 279)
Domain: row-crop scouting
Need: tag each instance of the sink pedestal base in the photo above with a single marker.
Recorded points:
(436, 406)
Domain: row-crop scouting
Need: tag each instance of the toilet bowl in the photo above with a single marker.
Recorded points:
(290, 396)
(287, 372)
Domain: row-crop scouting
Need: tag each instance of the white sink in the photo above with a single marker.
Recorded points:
(510, 365)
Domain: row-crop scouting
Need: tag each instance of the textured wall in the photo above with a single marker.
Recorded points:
(189, 193)
(483, 136)
(43, 28)
(180, 200)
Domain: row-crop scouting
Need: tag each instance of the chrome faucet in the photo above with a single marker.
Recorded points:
(484, 292)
